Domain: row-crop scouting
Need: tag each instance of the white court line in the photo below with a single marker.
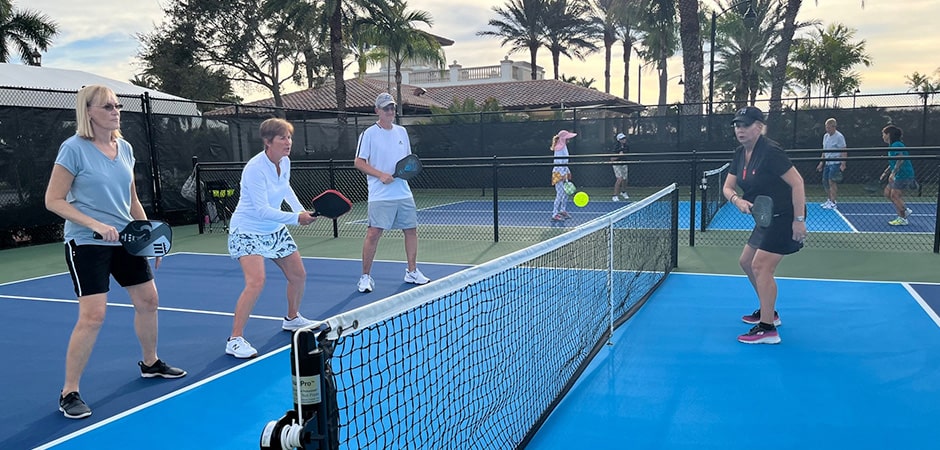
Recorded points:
(846, 221)
(923, 304)
(155, 401)
(124, 305)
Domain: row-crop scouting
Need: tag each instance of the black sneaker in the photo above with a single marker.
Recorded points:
(160, 369)
(754, 318)
(73, 407)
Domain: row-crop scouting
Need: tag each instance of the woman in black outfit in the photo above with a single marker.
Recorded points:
(760, 167)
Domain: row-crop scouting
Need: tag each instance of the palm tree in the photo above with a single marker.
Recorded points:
(803, 69)
(825, 58)
(629, 19)
(567, 30)
(749, 49)
(23, 32)
(922, 84)
(521, 25)
(402, 41)
(779, 73)
(605, 20)
(660, 35)
(840, 55)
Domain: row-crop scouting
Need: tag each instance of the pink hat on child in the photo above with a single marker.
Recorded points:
(565, 135)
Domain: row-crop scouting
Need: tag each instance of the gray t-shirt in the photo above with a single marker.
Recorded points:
(101, 188)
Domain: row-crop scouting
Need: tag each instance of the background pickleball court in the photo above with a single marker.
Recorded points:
(849, 217)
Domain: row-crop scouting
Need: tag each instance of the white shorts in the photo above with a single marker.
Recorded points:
(620, 171)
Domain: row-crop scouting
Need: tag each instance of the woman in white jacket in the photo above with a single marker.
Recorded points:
(257, 230)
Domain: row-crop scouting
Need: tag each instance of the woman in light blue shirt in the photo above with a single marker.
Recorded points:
(258, 230)
(92, 187)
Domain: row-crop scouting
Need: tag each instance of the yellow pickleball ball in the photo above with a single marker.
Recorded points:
(581, 199)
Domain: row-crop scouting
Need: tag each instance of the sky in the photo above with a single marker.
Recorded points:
(101, 37)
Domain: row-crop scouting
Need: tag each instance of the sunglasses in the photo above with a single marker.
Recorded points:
(112, 106)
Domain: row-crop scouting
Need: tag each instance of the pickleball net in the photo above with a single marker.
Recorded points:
(477, 360)
(712, 198)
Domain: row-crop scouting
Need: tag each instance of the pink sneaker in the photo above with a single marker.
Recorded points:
(760, 336)
(754, 318)
(558, 218)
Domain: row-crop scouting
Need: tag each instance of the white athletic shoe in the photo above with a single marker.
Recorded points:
(827, 204)
(366, 283)
(240, 348)
(296, 323)
(907, 212)
(615, 198)
(416, 277)
(625, 196)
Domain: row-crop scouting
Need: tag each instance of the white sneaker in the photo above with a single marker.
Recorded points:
(240, 348)
(827, 205)
(296, 323)
(625, 196)
(416, 277)
(907, 212)
(615, 198)
(366, 283)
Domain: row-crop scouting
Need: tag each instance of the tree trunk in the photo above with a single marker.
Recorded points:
(533, 50)
(339, 83)
(608, 44)
(693, 62)
(779, 71)
(627, 53)
(693, 65)
(556, 59)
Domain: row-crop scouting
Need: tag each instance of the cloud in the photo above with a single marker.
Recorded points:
(100, 37)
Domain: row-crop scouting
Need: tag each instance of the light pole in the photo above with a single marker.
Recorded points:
(749, 17)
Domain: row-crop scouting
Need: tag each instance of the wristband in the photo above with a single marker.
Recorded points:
(799, 218)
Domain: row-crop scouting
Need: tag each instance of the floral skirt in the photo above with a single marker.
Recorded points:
(272, 246)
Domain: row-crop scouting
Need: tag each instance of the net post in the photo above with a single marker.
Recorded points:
(312, 423)
(332, 172)
(200, 208)
(495, 198)
(675, 229)
(936, 225)
(693, 163)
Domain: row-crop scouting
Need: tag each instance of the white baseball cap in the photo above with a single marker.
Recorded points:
(384, 99)
(621, 136)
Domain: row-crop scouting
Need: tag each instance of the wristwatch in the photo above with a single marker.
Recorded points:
(799, 219)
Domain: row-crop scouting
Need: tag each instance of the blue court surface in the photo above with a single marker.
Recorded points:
(857, 367)
(853, 217)
(850, 217)
(197, 296)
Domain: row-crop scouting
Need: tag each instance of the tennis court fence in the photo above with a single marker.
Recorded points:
(479, 359)
(510, 199)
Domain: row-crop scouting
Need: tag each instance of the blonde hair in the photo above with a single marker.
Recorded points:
(274, 127)
(554, 142)
(831, 121)
(87, 97)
